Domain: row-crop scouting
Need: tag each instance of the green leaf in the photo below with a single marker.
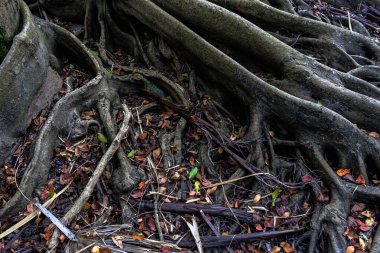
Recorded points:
(132, 153)
(51, 192)
(193, 173)
(197, 187)
(319, 103)
(275, 194)
(102, 138)
(185, 74)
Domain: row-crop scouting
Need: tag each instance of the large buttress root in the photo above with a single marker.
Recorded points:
(301, 113)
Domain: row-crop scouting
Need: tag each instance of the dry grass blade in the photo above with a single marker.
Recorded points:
(195, 232)
(32, 215)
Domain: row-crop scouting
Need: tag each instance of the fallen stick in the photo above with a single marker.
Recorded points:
(224, 241)
(191, 208)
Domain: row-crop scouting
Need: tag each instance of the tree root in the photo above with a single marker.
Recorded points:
(86, 193)
(311, 94)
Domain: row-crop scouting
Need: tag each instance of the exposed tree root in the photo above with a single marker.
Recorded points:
(301, 84)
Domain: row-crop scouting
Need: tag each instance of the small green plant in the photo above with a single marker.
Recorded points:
(3, 44)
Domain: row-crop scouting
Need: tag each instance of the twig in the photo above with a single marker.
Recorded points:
(241, 215)
(222, 241)
(233, 180)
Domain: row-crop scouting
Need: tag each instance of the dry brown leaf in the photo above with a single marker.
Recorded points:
(350, 249)
(362, 243)
(286, 247)
(137, 236)
(369, 222)
(62, 238)
(276, 249)
(256, 199)
(374, 135)
(141, 185)
(286, 214)
(143, 136)
(95, 249)
(342, 172)
(162, 178)
(156, 153)
(360, 180)
(118, 240)
(367, 213)
(211, 190)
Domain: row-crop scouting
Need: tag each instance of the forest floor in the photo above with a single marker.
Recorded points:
(165, 202)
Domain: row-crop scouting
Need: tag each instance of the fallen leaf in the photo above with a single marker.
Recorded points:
(152, 224)
(307, 178)
(286, 214)
(369, 222)
(176, 176)
(358, 207)
(95, 249)
(211, 190)
(105, 250)
(350, 249)
(275, 249)
(275, 194)
(165, 124)
(259, 227)
(362, 225)
(62, 238)
(374, 135)
(137, 236)
(141, 185)
(362, 243)
(118, 240)
(360, 180)
(286, 247)
(367, 213)
(132, 153)
(137, 194)
(102, 138)
(166, 249)
(256, 199)
(88, 115)
(162, 178)
(143, 136)
(342, 172)
(156, 153)
(193, 173)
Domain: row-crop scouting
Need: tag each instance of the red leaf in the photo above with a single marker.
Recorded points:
(259, 227)
(165, 124)
(359, 207)
(143, 136)
(194, 118)
(137, 194)
(360, 180)
(362, 225)
(307, 178)
(141, 185)
(166, 249)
